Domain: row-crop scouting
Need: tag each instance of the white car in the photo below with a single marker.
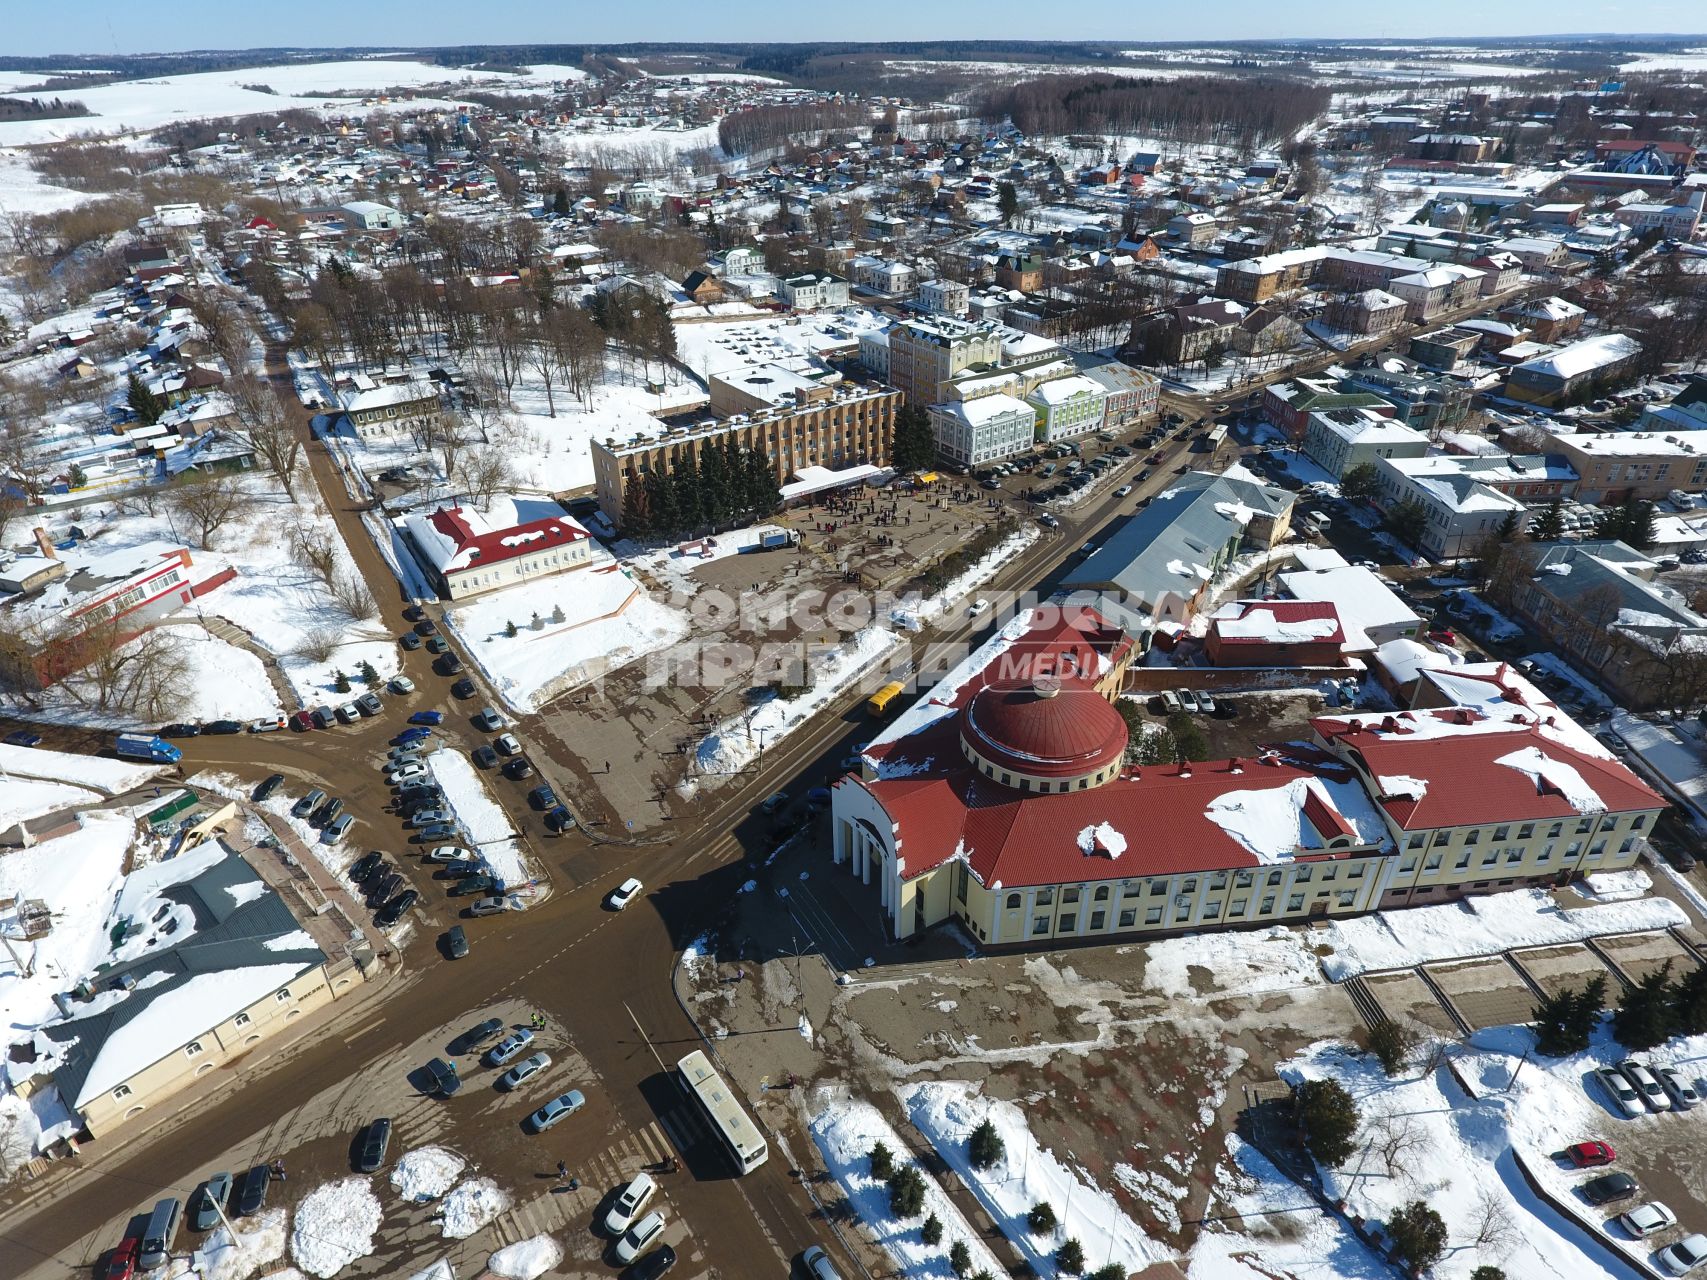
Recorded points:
(401, 684)
(629, 1202)
(1647, 1219)
(640, 1237)
(1123, 491)
(1683, 1094)
(1624, 1099)
(1653, 1096)
(267, 726)
(403, 773)
(524, 1070)
(507, 744)
(624, 893)
(1684, 1256)
(978, 608)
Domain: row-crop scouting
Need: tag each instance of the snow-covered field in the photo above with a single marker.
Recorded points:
(946, 1112)
(426, 1173)
(139, 105)
(483, 819)
(608, 622)
(845, 1131)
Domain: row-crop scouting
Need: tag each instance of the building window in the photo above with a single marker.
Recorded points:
(1068, 922)
(961, 877)
(193, 1048)
(241, 1020)
(1040, 925)
(1525, 831)
(1433, 862)
(1069, 897)
(1013, 902)
(1046, 897)
(1128, 918)
(1295, 902)
(1267, 904)
(1347, 897)
(1640, 821)
(1416, 841)
(121, 1092)
(1131, 889)
(1472, 837)
(1274, 877)
(1212, 911)
(1153, 916)
(1158, 888)
(1098, 919)
(282, 994)
(1441, 837)
(1555, 831)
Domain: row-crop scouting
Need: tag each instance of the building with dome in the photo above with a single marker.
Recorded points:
(1003, 799)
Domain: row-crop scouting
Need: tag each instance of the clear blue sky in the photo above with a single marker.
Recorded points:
(124, 26)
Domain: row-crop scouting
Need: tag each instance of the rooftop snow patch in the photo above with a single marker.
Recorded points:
(1549, 774)
(1102, 838)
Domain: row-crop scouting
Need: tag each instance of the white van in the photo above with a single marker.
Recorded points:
(629, 1203)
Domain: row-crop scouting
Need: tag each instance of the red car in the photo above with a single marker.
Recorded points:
(1445, 635)
(122, 1265)
(1591, 1155)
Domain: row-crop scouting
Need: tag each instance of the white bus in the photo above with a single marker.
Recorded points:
(719, 1105)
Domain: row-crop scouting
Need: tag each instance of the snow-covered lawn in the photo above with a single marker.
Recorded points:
(947, 1112)
(427, 1173)
(1477, 926)
(735, 742)
(24, 798)
(845, 1131)
(109, 777)
(225, 682)
(335, 1225)
(526, 1259)
(471, 1206)
(1235, 963)
(262, 1242)
(608, 621)
(483, 819)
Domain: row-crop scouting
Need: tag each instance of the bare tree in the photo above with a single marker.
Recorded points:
(446, 432)
(319, 643)
(484, 471)
(141, 675)
(206, 504)
(267, 429)
(313, 545)
(1491, 1223)
(350, 594)
(1398, 1138)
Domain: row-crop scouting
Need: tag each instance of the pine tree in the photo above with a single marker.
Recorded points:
(661, 504)
(914, 448)
(1041, 1219)
(684, 484)
(985, 1147)
(1007, 202)
(1639, 524)
(1550, 524)
(717, 502)
(931, 1232)
(959, 1258)
(1507, 529)
(1418, 1235)
(636, 519)
(510, 628)
(906, 1192)
(763, 496)
(882, 1162)
(1070, 1257)
(560, 201)
(1689, 1002)
(143, 402)
(341, 684)
(368, 675)
(1564, 1022)
(1646, 1015)
(1359, 482)
(1329, 1118)
(76, 477)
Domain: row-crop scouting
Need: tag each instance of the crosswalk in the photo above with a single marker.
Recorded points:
(554, 1209)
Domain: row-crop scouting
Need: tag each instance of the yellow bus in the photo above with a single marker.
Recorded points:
(878, 703)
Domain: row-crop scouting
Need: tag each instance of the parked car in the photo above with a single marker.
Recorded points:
(1682, 1093)
(464, 688)
(392, 911)
(509, 1048)
(507, 744)
(268, 724)
(485, 757)
(497, 904)
(1652, 1092)
(438, 644)
(456, 942)
(418, 734)
(400, 684)
(773, 802)
(338, 828)
(1624, 1099)
(640, 1237)
(207, 1201)
(179, 731)
(1610, 1188)
(517, 767)
(269, 784)
(1206, 702)
(1647, 1219)
(523, 1071)
(653, 1265)
(223, 727)
(252, 1191)
(487, 720)
(308, 804)
(558, 818)
(1684, 1256)
(430, 817)
(478, 885)
(559, 1108)
(121, 1265)
(447, 664)
(439, 831)
(623, 894)
(374, 1143)
(818, 1264)
(1188, 700)
(366, 865)
(327, 812)
(425, 626)
(443, 1075)
(629, 1202)
(1590, 1155)
(447, 853)
(406, 771)
(978, 608)
(542, 796)
(409, 640)
(349, 713)
(369, 704)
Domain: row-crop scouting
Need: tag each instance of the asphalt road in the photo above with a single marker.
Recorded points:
(594, 971)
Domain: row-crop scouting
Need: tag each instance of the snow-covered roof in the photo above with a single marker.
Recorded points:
(395, 393)
(1586, 356)
(455, 539)
(984, 409)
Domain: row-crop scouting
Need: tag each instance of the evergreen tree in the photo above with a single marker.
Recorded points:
(1550, 524)
(717, 501)
(1418, 1235)
(1487, 1272)
(763, 495)
(1041, 1219)
(661, 517)
(906, 1192)
(510, 628)
(1329, 1118)
(1646, 1015)
(985, 1147)
(76, 477)
(341, 684)
(685, 484)
(1392, 1044)
(1070, 1257)
(1188, 738)
(1689, 1003)
(560, 201)
(915, 443)
(1113, 1271)
(959, 1258)
(1507, 529)
(1564, 1022)
(368, 675)
(931, 1232)
(1408, 520)
(882, 1162)
(143, 402)
(636, 519)
(1007, 202)
(1359, 482)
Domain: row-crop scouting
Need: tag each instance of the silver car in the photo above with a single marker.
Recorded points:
(1684, 1256)
(1682, 1093)
(1653, 1095)
(524, 1070)
(509, 1048)
(1623, 1097)
(559, 1108)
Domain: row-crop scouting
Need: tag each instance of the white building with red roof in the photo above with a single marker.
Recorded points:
(467, 550)
(1004, 799)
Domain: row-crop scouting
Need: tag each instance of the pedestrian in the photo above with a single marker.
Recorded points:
(574, 1184)
(562, 1170)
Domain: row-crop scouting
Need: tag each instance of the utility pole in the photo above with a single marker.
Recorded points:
(645, 1037)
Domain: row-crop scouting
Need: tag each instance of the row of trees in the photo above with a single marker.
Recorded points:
(744, 132)
(1649, 1013)
(1237, 111)
(725, 485)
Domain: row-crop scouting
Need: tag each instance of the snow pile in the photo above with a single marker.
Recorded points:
(1270, 822)
(946, 1112)
(335, 1225)
(1478, 926)
(1102, 838)
(470, 1207)
(1238, 963)
(1400, 786)
(427, 1173)
(526, 1259)
(845, 1131)
(1549, 774)
(262, 1242)
(483, 819)
(1616, 886)
(109, 777)
(23, 799)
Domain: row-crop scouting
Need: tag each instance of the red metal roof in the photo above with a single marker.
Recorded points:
(476, 549)
(1047, 729)
(1282, 611)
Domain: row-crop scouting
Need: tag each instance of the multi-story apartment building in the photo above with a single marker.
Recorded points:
(945, 298)
(384, 411)
(987, 429)
(1613, 466)
(796, 422)
(1421, 401)
(1002, 800)
(1339, 439)
(919, 357)
(1459, 509)
(1367, 312)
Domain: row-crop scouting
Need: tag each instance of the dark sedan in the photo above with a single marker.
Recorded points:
(374, 1143)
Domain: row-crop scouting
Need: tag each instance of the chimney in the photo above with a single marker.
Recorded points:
(1357, 726)
(1235, 765)
(1185, 768)
(46, 546)
(1389, 725)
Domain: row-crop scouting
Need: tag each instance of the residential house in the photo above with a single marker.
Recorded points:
(1613, 466)
(1339, 439)
(1460, 510)
(384, 411)
(367, 215)
(1501, 273)
(703, 287)
(1265, 330)
(1021, 271)
(1275, 633)
(1427, 402)
(1439, 288)
(1193, 230)
(1370, 613)
(1191, 331)
(1550, 319)
(1368, 312)
(1574, 371)
(944, 297)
